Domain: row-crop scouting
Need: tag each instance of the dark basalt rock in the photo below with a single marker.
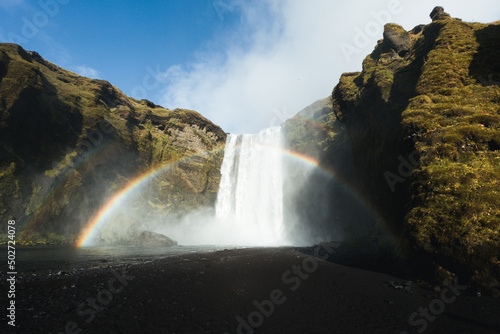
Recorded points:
(397, 38)
(148, 238)
(438, 13)
(418, 29)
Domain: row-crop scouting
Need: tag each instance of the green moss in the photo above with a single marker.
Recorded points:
(33, 238)
(384, 80)
(456, 196)
(441, 100)
(394, 27)
(55, 189)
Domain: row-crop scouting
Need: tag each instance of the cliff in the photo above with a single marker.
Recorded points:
(323, 201)
(68, 143)
(412, 144)
(423, 119)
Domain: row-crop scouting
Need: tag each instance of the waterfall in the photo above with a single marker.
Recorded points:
(250, 196)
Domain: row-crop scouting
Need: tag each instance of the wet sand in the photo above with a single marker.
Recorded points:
(264, 290)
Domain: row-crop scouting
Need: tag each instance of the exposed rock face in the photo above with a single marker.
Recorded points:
(438, 13)
(397, 38)
(68, 143)
(425, 133)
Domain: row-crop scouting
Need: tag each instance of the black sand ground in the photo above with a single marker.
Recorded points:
(268, 290)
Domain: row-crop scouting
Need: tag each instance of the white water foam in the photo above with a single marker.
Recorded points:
(250, 198)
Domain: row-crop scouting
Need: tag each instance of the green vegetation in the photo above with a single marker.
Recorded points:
(55, 178)
(32, 238)
(440, 99)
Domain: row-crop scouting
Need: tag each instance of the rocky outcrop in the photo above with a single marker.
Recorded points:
(397, 38)
(438, 13)
(422, 119)
(148, 238)
(68, 143)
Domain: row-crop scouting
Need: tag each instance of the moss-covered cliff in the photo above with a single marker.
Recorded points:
(423, 118)
(68, 143)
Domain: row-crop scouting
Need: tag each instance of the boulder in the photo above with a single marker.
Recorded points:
(397, 38)
(438, 13)
(148, 238)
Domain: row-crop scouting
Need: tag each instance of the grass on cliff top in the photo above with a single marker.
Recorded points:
(456, 117)
(95, 99)
(449, 85)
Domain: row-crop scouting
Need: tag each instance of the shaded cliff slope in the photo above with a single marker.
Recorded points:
(323, 201)
(68, 143)
(423, 118)
(415, 139)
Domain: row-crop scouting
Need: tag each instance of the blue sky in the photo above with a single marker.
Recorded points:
(244, 64)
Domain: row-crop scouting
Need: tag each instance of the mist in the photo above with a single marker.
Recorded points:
(266, 198)
(284, 55)
(280, 58)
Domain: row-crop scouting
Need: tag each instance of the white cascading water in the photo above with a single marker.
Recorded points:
(250, 197)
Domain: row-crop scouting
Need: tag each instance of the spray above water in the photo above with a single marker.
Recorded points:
(249, 210)
(250, 196)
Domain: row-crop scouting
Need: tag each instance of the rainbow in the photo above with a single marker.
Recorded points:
(99, 219)
(50, 196)
(305, 158)
(88, 232)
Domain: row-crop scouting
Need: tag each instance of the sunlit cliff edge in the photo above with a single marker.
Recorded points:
(69, 142)
(422, 124)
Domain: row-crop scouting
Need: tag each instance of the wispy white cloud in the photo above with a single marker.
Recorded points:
(284, 55)
(87, 71)
(250, 84)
